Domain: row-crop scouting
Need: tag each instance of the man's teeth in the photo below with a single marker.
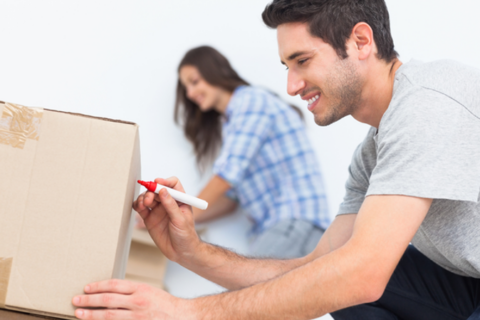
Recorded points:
(310, 101)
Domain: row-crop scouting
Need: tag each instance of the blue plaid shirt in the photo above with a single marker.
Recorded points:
(267, 158)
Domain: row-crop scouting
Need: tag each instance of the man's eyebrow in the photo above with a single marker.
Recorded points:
(293, 56)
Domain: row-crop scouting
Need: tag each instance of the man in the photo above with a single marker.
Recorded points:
(415, 178)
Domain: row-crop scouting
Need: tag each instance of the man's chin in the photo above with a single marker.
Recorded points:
(324, 121)
(321, 123)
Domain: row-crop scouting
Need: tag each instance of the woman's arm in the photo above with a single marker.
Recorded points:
(223, 206)
(218, 204)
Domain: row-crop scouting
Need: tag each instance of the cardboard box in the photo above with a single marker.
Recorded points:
(146, 263)
(15, 315)
(67, 183)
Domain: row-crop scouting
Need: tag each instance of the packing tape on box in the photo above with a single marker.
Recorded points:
(19, 123)
(5, 269)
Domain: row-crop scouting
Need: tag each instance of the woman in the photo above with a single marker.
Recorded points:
(265, 164)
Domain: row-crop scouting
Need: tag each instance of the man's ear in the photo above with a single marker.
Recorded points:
(362, 37)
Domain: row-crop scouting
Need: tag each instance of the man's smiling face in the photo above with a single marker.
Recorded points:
(331, 86)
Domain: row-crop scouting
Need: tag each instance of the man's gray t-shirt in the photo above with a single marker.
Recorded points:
(428, 145)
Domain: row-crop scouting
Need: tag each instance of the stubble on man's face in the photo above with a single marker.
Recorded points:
(343, 89)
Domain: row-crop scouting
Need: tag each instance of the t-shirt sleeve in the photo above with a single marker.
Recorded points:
(244, 135)
(359, 171)
(428, 146)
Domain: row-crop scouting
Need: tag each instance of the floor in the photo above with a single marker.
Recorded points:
(229, 232)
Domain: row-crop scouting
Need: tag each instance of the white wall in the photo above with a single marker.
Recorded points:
(118, 59)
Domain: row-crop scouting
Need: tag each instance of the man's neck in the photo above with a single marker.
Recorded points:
(377, 93)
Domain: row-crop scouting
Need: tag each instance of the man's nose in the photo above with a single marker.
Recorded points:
(295, 84)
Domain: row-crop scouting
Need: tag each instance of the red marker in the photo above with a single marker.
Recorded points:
(177, 195)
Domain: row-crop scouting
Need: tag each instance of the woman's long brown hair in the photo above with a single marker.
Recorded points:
(204, 129)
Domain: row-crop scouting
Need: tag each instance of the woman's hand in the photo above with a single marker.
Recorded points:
(169, 223)
(125, 300)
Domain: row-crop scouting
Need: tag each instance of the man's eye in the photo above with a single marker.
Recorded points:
(302, 61)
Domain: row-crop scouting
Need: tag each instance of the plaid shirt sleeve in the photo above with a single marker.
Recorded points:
(243, 137)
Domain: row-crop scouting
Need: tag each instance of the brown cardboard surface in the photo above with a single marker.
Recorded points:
(146, 263)
(142, 236)
(65, 209)
(5, 269)
(13, 315)
(156, 283)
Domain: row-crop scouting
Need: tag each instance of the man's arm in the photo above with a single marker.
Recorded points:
(171, 227)
(356, 273)
(234, 271)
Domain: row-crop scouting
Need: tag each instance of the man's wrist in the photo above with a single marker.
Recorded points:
(188, 309)
(196, 257)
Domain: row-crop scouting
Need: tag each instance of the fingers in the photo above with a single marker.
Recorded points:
(104, 314)
(171, 182)
(104, 300)
(170, 205)
(139, 206)
(148, 201)
(111, 286)
(145, 203)
(110, 294)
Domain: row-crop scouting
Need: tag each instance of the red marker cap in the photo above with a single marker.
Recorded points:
(150, 185)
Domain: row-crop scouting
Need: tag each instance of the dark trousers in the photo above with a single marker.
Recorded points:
(421, 290)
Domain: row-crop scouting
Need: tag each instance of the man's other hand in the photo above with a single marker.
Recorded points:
(123, 300)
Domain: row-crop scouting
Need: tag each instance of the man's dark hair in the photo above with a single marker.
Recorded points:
(333, 21)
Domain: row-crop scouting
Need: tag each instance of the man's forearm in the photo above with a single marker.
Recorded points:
(234, 271)
(329, 283)
(351, 268)
(355, 273)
